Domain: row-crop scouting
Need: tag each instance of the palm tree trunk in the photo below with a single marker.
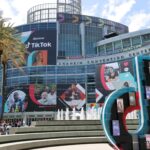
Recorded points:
(3, 88)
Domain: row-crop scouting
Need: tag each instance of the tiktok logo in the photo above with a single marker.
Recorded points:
(120, 131)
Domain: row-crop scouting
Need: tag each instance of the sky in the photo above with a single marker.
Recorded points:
(133, 13)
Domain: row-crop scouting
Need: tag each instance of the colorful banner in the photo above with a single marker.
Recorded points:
(71, 96)
(35, 97)
(41, 45)
(113, 76)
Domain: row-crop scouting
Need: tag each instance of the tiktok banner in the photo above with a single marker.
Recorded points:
(41, 45)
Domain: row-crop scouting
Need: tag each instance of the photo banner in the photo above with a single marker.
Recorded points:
(41, 45)
(71, 96)
(113, 76)
(35, 97)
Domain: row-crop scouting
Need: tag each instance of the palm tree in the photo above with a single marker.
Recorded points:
(11, 49)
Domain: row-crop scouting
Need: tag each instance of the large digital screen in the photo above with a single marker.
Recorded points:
(41, 45)
(113, 76)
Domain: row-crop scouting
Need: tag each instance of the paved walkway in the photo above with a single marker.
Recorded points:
(79, 147)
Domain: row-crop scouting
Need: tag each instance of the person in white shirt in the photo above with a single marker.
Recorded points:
(52, 97)
(48, 98)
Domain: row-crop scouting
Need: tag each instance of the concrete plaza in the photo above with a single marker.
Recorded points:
(79, 147)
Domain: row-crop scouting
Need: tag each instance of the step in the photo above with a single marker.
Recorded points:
(61, 128)
(67, 122)
(51, 142)
(54, 128)
(48, 135)
(132, 121)
(77, 122)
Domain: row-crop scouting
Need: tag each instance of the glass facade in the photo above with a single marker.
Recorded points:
(117, 46)
(146, 39)
(69, 40)
(46, 74)
(92, 34)
(122, 45)
(69, 45)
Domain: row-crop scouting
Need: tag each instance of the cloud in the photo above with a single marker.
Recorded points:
(92, 11)
(116, 10)
(139, 20)
(17, 9)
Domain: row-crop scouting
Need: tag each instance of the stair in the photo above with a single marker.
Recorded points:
(54, 133)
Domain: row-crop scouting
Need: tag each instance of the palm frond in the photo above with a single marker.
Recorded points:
(11, 47)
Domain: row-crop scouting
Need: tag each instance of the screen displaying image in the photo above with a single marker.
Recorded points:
(148, 141)
(43, 94)
(132, 99)
(16, 102)
(116, 128)
(147, 92)
(74, 96)
(120, 105)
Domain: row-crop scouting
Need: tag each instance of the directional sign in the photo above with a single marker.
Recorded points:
(101, 22)
(88, 20)
(75, 19)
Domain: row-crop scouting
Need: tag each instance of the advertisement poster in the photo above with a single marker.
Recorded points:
(71, 96)
(113, 76)
(35, 97)
(43, 95)
(41, 45)
(17, 100)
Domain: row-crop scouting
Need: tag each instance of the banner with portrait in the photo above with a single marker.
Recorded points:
(113, 76)
(35, 97)
(16, 100)
(71, 96)
(43, 97)
(41, 45)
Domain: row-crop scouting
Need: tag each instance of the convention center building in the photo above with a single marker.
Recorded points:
(74, 61)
